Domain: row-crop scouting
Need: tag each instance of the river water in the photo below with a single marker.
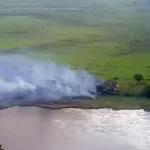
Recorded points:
(33, 128)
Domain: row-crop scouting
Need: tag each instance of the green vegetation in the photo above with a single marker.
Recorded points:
(108, 42)
(138, 77)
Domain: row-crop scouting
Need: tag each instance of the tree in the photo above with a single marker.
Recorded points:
(138, 77)
(116, 78)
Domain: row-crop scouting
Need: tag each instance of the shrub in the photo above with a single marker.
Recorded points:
(138, 77)
(146, 91)
(132, 89)
(116, 78)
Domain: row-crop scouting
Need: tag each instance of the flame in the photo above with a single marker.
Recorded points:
(117, 86)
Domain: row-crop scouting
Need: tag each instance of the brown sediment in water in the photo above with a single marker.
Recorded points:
(1, 147)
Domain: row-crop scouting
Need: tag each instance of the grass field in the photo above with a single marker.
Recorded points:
(110, 41)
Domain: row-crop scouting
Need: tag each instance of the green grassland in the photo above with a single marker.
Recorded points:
(107, 42)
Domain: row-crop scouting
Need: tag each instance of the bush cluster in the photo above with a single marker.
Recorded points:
(136, 87)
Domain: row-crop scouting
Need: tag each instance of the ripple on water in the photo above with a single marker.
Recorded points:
(40, 129)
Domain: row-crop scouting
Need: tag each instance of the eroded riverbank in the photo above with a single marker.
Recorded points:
(115, 103)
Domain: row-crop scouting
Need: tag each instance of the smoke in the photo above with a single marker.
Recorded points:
(26, 80)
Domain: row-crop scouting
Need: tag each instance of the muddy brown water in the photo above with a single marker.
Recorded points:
(31, 128)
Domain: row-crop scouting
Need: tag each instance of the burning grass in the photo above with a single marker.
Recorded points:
(108, 46)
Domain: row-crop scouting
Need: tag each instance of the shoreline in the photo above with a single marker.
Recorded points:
(114, 103)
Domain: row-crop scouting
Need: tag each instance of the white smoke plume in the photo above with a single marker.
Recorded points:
(24, 79)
